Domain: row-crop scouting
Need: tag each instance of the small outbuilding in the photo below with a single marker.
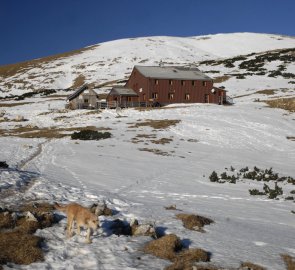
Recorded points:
(120, 96)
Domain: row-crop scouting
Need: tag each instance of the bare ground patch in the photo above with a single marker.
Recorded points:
(194, 222)
(287, 104)
(48, 133)
(169, 247)
(155, 151)
(289, 261)
(156, 124)
(17, 242)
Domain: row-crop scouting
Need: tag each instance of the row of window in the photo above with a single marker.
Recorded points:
(170, 96)
(204, 83)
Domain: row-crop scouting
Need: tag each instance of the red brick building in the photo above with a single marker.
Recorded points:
(166, 85)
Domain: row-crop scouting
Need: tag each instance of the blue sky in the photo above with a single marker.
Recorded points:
(36, 28)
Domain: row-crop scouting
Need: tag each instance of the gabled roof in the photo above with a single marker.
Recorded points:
(77, 92)
(122, 91)
(173, 73)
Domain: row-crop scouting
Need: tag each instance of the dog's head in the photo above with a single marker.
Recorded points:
(93, 222)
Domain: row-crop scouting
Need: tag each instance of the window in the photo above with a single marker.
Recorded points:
(170, 96)
(156, 82)
(155, 95)
(187, 96)
(204, 83)
(85, 100)
(170, 82)
(182, 83)
(193, 83)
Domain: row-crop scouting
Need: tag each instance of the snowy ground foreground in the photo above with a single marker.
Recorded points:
(139, 184)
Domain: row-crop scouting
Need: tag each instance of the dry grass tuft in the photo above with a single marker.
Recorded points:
(251, 266)
(162, 141)
(164, 247)
(268, 92)
(289, 261)
(14, 104)
(20, 248)
(186, 259)
(291, 138)
(48, 133)
(287, 104)
(155, 151)
(194, 222)
(17, 242)
(79, 81)
(156, 124)
(221, 79)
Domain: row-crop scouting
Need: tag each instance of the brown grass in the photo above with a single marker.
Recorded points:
(79, 81)
(14, 104)
(17, 242)
(162, 141)
(156, 124)
(12, 69)
(221, 79)
(289, 261)
(164, 247)
(194, 222)
(291, 138)
(20, 248)
(155, 151)
(185, 259)
(266, 92)
(48, 133)
(287, 104)
(252, 266)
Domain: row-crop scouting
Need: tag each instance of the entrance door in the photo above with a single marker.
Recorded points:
(207, 99)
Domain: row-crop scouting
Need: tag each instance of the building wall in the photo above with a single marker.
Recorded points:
(174, 91)
(85, 100)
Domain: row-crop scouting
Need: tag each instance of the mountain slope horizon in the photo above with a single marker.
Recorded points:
(114, 60)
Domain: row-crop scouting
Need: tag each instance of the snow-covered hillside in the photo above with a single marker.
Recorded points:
(114, 60)
(157, 157)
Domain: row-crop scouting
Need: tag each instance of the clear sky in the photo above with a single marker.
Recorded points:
(36, 28)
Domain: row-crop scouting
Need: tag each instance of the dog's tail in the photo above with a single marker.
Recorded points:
(59, 207)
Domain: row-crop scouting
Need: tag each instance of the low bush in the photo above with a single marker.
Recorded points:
(90, 135)
(3, 165)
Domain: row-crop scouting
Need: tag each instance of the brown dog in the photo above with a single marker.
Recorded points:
(81, 215)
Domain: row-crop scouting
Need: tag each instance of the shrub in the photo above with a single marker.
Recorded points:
(255, 192)
(90, 135)
(3, 164)
(213, 177)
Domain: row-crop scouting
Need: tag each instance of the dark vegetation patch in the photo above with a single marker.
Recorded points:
(156, 124)
(194, 222)
(255, 66)
(88, 134)
(256, 174)
(3, 165)
(17, 242)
